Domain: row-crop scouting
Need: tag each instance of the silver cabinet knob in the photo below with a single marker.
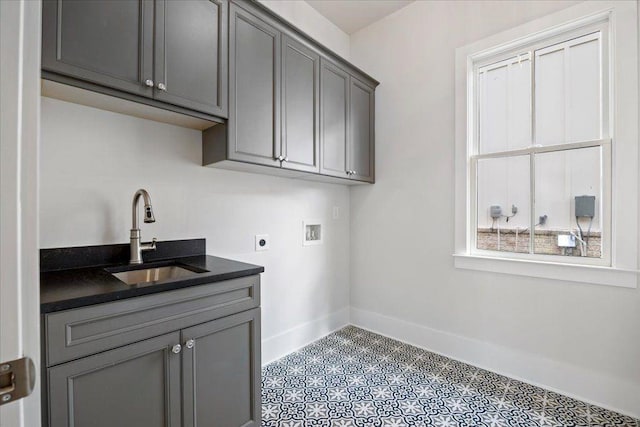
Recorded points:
(348, 172)
(190, 343)
(286, 159)
(161, 86)
(354, 173)
(280, 159)
(176, 348)
(148, 82)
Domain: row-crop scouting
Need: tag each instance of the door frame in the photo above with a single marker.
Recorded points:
(20, 38)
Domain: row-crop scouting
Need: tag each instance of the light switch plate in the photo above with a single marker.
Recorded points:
(336, 212)
(262, 242)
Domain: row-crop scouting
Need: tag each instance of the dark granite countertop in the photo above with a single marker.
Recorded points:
(77, 277)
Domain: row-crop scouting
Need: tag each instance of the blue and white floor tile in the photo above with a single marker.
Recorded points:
(355, 378)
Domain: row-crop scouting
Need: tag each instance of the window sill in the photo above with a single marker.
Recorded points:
(609, 276)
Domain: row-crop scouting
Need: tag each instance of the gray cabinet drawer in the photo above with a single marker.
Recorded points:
(72, 334)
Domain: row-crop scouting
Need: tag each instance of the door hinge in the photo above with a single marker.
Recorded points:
(17, 379)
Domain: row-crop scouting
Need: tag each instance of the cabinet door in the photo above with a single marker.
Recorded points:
(105, 42)
(361, 130)
(300, 105)
(254, 88)
(133, 386)
(222, 372)
(334, 119)
(191, 54)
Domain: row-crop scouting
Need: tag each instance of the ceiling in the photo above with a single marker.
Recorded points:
(353, 15)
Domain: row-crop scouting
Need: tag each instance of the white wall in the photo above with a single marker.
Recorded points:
(306, 18)
(92, 161)
(578, 338)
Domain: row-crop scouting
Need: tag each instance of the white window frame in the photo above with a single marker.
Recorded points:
(619, 208)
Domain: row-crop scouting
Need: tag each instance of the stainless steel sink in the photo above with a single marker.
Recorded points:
(156, 274)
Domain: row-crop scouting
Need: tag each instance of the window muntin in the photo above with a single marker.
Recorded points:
(546, 103)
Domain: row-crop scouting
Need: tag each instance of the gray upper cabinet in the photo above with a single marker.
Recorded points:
(167, 53)
(104, 42)
(361, 127)
(291, 103)
(347, 120)
(300, 146)
(254, 86)
(191, 54)
(137, 385)
(274, 89)
(334, 119)
(221, 367)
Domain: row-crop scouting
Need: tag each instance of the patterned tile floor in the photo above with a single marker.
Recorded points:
(357, 378)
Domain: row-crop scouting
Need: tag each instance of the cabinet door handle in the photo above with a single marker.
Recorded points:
(354, 173)
(190, 344)
(286, 159)
(280, 159)
(161, 86)
(176, 348)
(348, 172)
(148, 82)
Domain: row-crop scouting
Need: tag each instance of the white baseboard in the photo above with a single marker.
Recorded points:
(582, 384)
(290, 340)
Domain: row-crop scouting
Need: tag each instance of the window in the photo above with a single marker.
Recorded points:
(541, 138)
(539, 149)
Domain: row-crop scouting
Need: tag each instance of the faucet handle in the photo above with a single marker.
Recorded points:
(149, 246)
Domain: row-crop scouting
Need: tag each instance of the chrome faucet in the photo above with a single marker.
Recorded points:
(136, 246)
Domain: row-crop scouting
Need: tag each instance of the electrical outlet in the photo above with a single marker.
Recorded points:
(262, 242)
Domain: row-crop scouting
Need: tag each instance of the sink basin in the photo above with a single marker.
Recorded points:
(154, 274)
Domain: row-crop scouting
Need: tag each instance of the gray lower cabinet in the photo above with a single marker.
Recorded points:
(184, 358)
(170, 51)
(137, 385)
(221, 371)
